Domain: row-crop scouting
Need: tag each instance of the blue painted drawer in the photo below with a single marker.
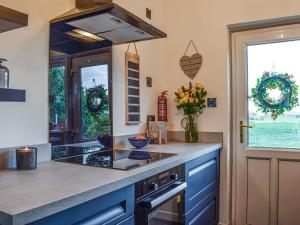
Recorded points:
(202, 177)
(111, 209)
(206, 212)
(128, 221)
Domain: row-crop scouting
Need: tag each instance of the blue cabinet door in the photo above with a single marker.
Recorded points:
(128, 221)
(202, 193)
(205, 213)
(111, 209)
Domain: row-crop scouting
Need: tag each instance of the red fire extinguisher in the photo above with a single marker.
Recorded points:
(163, 107)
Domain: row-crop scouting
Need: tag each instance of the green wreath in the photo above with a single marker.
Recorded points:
(96, 99)
(287, 100)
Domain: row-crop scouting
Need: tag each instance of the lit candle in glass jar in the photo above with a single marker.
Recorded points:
(26, 158)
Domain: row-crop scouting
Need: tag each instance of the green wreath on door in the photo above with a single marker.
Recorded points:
(287, 100)
(97, 99)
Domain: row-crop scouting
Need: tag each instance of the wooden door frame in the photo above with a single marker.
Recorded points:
(231, 30)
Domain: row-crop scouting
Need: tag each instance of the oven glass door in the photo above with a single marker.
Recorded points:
(170, 213)
(163, 207)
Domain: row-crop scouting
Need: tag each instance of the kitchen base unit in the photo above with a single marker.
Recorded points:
(178, 190)
(111, 209)
(160, 198)
(202, 194)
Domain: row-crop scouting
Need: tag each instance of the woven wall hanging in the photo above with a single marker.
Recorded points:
(191, 65)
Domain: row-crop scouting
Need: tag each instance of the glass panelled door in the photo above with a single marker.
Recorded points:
(273, 106)
(266, 135)
(91, 97)
(94, 102)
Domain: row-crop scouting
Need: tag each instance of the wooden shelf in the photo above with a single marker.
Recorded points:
(12, 95)
(11, 19)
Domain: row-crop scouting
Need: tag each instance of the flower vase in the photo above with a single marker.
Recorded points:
(191, 132)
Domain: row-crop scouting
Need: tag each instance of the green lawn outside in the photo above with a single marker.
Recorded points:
(281, 133)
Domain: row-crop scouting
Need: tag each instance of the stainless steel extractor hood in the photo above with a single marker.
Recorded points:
(106, 21)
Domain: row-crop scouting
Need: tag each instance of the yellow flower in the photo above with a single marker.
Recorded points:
(185, 99)
(181, 94)
(196, 100)
(199, 85)
(191, 100)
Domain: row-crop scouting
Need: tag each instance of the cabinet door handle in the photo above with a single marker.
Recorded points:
(105, 216)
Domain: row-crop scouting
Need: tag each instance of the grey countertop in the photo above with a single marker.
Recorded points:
(26, 196)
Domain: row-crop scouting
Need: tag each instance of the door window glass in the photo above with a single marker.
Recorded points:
(57, 96)
(271, 131)
(95, 102)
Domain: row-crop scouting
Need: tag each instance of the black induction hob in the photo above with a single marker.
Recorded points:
(122, 159)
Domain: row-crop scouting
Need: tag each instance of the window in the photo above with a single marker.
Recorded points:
(284, 131)
(98, 123)
(57, 95)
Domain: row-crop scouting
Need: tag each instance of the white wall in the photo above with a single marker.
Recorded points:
(206, 22)
(27, 52)
(152, 65)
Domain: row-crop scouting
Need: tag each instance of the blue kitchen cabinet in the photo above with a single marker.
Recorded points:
(116, 208)
(128, 221)
(202, 193)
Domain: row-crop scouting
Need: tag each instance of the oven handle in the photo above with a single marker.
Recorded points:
(158, 198)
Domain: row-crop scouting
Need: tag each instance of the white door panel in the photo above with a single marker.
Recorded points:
(288, 192)
(266, 188)
(258, 194)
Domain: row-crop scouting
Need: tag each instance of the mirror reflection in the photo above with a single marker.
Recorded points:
(80, 90)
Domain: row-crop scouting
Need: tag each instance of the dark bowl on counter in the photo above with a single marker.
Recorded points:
(106, 141)
(138, 143)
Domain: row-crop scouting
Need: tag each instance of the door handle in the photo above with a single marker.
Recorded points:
(242, 126)
(161, 197)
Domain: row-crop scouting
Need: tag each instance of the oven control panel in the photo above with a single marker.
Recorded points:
(155, 182)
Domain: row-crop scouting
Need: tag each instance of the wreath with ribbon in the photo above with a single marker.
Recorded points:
(282, 83)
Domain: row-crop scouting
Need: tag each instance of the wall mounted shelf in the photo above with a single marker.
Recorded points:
(11, 19)
(12, 95)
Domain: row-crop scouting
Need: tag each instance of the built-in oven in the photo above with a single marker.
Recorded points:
(160, 199)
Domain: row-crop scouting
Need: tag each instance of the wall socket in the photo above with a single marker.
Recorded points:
(149, 81)
(211, 102)
(148, 13)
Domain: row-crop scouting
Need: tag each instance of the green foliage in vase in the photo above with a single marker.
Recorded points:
(192, 100)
